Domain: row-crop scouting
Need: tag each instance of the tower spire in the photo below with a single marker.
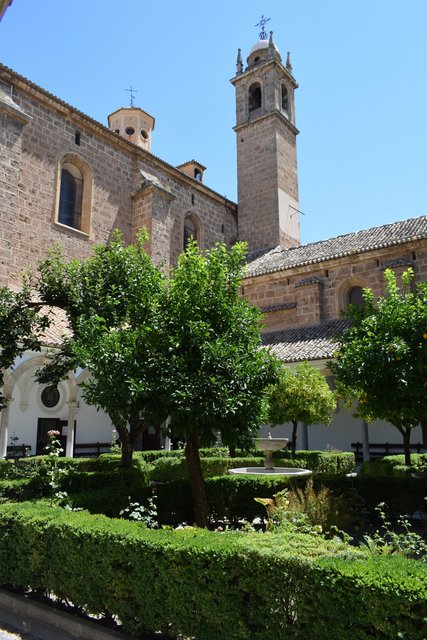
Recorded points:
(263, 21)
(239, 63)
(132, 97)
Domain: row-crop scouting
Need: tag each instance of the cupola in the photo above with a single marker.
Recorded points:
(134, 124)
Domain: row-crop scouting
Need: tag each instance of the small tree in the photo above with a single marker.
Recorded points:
(216, 370)
(112, 302)
(381, 362)
(21, 327)
(301, 395)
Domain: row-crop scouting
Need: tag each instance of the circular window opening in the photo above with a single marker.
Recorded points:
(50, 396)
(144, 134)
(130, 131)
(117, 131)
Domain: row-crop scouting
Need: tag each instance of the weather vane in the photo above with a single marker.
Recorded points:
(262, 23)
(132, 97)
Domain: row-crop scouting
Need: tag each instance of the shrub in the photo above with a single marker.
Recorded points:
(210, 585)
(392, 466)
(171, 468)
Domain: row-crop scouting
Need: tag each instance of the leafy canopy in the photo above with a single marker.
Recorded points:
(301, 395)
(21, 327)
(217, 371)
(381, 361)
(112, 302)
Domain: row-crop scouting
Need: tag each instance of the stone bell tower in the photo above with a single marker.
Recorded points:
(267, 175)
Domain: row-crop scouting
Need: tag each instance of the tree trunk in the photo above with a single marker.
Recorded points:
(125, 444)
(406, 441)
(196, 480)
(423, 424)
(294, 438)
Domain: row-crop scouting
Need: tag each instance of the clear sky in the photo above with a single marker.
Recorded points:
(361, 106)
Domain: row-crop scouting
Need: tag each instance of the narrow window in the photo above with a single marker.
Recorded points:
(190, 231)
(192, 198)
(74, 194)
(255, 96)
(70, 196)
(285, 99)
(77, 138)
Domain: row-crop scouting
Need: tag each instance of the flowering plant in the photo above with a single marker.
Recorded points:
(55, 473)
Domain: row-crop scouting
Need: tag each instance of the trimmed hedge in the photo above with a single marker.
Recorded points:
(209, 585)
(173, 468)
(392, 466)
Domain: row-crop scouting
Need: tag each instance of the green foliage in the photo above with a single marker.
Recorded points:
(112, 303)
(393, 465)
(324, 462)
(301, 395)
(168, 468)
(21, 327)
(209, 585)
(381, 361)
(386, 541)
(146, 514)
(216, 370)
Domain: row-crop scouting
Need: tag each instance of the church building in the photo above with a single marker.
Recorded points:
(66, 178)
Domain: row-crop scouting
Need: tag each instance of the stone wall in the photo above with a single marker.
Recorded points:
(311, 294)
(30, 165)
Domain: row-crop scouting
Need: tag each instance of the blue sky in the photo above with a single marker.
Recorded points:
(361, 106)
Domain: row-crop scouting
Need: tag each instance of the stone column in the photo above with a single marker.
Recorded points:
(4, 429)
(304, 437)
(72, 410)
(365, 441)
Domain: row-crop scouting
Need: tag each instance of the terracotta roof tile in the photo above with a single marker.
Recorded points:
(305, 343)
(279, 259)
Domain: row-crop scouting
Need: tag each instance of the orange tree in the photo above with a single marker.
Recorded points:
(21, 327)
(217, 371)
(300, 395)
(381, 362)
(112, 303)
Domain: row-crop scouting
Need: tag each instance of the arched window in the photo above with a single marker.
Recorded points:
(285, 99)
(198, 174)
(74, 194)
(355, 295)
(190, 230)
(70, 197)
(255, 96)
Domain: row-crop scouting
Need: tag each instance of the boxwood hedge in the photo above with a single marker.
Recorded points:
(209, 585)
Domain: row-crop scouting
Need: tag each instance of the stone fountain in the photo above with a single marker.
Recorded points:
(268, 445)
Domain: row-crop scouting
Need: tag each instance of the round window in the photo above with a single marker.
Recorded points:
(117, 131)
(50, 396)
(130, 131)
(144, 134)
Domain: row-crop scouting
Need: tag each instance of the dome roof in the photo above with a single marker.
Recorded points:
(261, 44)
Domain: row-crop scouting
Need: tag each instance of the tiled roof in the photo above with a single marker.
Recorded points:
(305, 343)
(358, 242)
(52, 336)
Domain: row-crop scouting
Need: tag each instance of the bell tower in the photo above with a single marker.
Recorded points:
(267, 175)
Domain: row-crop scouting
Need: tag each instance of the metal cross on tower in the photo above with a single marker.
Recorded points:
(262, 23)
(132, 97)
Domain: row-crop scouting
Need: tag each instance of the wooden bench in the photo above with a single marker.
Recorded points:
(91, 449)
(18, 451)
(381, 449)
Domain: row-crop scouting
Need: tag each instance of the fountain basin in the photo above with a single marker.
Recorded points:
(272, 471)
(270, 444)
